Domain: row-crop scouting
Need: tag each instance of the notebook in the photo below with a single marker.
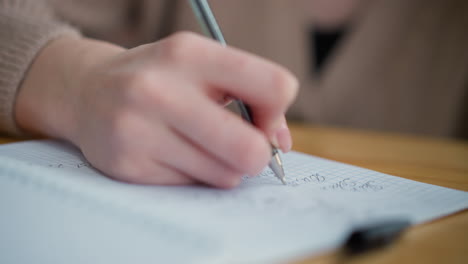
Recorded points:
(56, 208)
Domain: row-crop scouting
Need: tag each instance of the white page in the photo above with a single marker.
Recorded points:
(260, 221)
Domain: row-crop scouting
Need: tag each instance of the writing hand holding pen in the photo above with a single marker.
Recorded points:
(151, 114)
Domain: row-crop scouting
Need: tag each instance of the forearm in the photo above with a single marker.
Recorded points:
(26, 26)
(45, 103)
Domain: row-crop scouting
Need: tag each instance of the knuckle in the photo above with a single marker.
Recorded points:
(136, 86)
(141, 90)
(184, 36)
(179, 46)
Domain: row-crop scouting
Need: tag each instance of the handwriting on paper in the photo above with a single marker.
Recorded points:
(348, 184)
(77, 165)
(333, 184)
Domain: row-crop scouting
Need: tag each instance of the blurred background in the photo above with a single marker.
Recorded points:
(386, 65)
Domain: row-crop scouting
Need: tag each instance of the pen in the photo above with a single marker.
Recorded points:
(375, 235)
(206, 18)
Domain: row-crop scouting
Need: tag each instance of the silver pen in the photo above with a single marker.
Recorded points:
(206, 18)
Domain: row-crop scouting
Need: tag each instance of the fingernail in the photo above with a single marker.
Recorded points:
(282, 137)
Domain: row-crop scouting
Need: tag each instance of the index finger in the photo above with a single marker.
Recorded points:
(266, 87)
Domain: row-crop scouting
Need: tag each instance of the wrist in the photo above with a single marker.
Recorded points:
(89, 56)
(47, 101)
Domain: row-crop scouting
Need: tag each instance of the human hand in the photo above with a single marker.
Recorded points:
(152, 114)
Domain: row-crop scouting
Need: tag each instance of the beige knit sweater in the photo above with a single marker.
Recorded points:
(402, 67)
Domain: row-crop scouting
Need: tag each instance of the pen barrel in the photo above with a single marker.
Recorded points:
(207, 20)
(245, 111)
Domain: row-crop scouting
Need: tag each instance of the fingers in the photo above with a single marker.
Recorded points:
(189, 159)
(172, 102)
(176, 161)
(152, 172)
(282, 137)
(218, 132)
(164, 157)
(268, 88)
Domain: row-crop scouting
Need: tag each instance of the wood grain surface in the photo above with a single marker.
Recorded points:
(436, 161)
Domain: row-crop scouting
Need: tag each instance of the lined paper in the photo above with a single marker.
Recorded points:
(261, 221)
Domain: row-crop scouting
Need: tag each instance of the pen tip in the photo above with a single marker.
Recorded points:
(276, 166)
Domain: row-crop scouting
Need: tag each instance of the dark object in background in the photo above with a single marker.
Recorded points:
(322, 44)
(374, 236)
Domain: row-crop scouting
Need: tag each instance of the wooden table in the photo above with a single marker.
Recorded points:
(436, 161)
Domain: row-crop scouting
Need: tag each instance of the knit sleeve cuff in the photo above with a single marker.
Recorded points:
(26, 27)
